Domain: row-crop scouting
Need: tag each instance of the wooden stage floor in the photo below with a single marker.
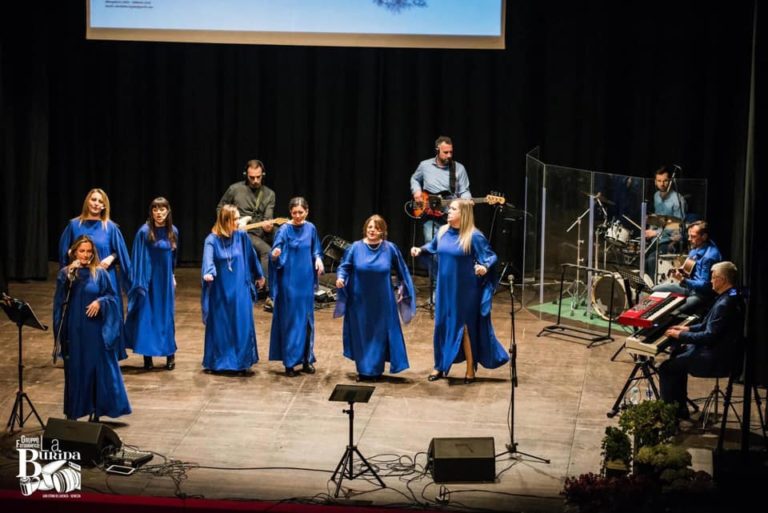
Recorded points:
(269, 437)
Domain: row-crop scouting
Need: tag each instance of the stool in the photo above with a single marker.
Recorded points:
(711, 403)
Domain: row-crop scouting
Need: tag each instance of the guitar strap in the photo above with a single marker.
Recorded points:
(452, 177)
(258, 204)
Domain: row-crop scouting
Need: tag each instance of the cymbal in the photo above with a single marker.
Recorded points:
(661, 220)
(598, 197)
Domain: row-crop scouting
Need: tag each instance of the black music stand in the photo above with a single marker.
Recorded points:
(352, 394)
(583, 334)
(21, 314)
(634, 282)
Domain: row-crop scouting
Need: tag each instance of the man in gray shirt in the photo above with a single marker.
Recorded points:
(433, 176)
(256, 202)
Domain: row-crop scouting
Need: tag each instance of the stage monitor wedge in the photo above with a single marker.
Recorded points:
(93, 440)
(462, 460)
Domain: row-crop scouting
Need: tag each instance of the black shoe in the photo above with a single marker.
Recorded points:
(290, 372)
(366, 379)
(170, 362)
(93, 418)
(468, 379)
(148, 365)
(245, 372)
(268, 305)
(308, 368)
(436, 376)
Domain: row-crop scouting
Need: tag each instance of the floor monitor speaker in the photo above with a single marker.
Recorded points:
(92, 440)
(462, 460)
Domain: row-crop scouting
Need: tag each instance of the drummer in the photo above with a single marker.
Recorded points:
(669, 210)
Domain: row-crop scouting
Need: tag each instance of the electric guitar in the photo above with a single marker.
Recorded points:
(252, 226)
(431, 205)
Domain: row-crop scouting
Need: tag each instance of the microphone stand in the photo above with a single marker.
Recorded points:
(512, 445)
(64, 312)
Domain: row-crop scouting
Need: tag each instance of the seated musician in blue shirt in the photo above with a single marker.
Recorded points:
(693, 279)
(710, 348)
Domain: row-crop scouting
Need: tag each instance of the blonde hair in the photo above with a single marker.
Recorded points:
(379, 223)
(93, 265)
(227, 214)
(466, 224)
(104, 215)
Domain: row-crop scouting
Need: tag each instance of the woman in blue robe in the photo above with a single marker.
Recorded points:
(88, 322)
(94, 222)
(293, 271)
(372, 332)
(463, 329)
(230, 272)
(149, 326)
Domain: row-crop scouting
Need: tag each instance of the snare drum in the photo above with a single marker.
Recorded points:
(601, 296)
(617, 235)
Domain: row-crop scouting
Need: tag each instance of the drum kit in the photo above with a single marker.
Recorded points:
(621, 252)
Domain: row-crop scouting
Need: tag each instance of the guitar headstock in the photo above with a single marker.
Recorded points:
(495, 198)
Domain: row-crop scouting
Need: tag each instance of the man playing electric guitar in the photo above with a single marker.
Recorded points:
(440, 175)
(693, 278)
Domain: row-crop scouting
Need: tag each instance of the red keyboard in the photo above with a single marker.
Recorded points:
(651, 309)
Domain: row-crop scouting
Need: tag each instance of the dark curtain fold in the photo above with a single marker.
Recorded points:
(610, 86)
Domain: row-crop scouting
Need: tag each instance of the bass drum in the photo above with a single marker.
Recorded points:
(601, 296)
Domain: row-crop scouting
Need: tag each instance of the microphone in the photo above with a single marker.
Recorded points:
(72, 273)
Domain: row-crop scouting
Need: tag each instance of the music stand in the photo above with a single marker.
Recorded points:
(352, 394)
(21, 314)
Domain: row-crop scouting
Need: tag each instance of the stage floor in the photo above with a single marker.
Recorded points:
(270, 437)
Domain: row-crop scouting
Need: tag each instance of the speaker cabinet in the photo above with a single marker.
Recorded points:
(462, 460)
(92, 440)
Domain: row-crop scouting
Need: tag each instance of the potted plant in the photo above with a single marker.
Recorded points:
(665, 461)
(617, 452)
(648, 423)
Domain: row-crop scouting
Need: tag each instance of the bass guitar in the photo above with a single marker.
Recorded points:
(252, 226)
(431, 205)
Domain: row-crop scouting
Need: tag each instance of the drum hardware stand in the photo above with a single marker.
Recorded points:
(21, 314)
(577, 290)
(512, 445)
(584, 334)
(631, 282)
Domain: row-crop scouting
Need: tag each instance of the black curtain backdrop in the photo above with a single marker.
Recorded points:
(609, 86)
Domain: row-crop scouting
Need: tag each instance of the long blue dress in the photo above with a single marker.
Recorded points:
(292, 283)
(464, 299)
(93, 383)
(227, 302)
(149, 326)
(372, 332)
(107, 242)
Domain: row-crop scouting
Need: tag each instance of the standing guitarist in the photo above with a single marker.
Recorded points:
(441, 176)
(256, 202)
(693, 278)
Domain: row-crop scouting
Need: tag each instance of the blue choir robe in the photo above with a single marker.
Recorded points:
(464, 301)
(227, 302)
(292, 284)
(372, 333)
(149, 326)
(93, 383)
(107, 242)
